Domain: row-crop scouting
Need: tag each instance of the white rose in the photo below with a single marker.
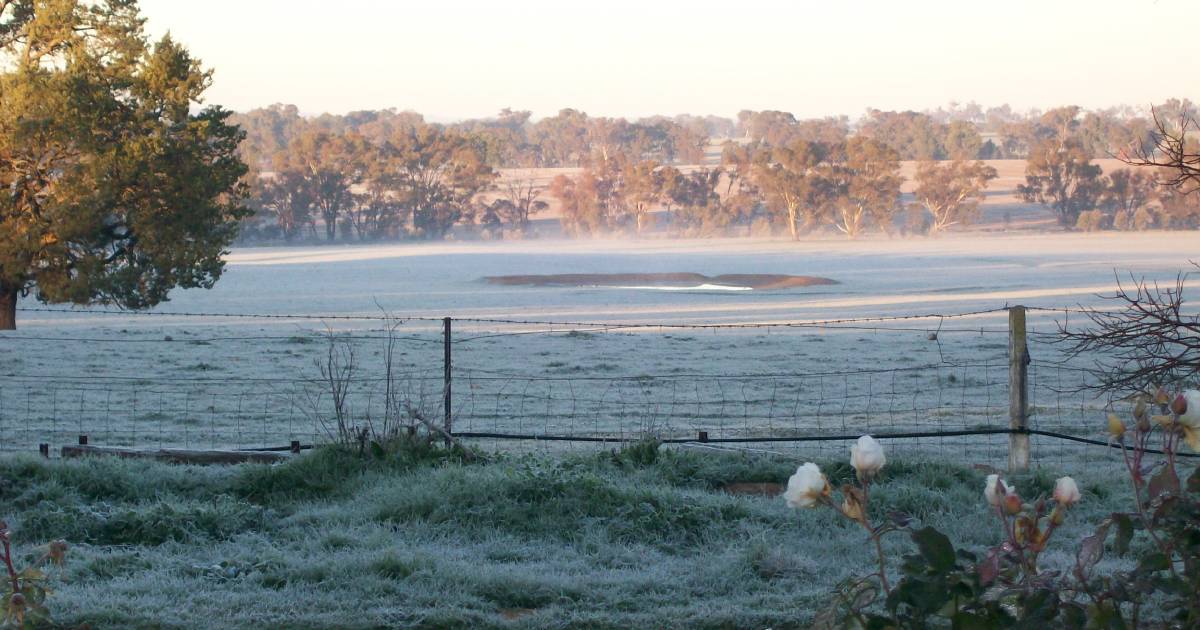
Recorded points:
(1190, 420)
(805, 487)
(1066, 492)
(995, 490)
(867, 458)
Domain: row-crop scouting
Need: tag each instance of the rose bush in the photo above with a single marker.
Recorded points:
(1005, 586)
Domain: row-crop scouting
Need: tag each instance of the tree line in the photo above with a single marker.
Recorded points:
(379, 175)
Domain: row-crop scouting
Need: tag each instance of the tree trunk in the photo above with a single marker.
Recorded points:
(8, 307)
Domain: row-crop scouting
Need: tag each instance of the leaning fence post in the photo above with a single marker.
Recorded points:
(1018, 390)
(447, 399)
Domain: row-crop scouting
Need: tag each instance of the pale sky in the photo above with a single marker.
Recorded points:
(457, 59)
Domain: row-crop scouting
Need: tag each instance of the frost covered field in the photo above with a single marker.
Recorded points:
(248, 381)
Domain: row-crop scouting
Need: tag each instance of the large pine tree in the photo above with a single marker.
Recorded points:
(116, 186)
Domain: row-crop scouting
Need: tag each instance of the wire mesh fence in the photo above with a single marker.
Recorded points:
(934, 384)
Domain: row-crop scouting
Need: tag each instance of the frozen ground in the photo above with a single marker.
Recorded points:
(242, 381)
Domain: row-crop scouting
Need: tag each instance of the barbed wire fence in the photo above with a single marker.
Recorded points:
(936, 384)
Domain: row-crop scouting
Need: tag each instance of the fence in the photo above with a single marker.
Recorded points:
(983, 387)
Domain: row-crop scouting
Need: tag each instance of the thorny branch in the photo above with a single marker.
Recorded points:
(1172, 151)
(1150, 342)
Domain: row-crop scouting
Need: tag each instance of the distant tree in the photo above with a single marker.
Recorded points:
(700, 210)
(1060, 123)
(563, 139)
(789, 177)
(866, 180)
(269, 130)
(912, 135)
(1180, 208)
(740, 194)
(115, 189)
(1104, 133)
(768, 127)
(1126, 192)
(1060, 174)
(331, 164)
(583, 204)
(962, 141)
(687, 143)
(951, 191)
(436, 175)
(376, 213)
(640, 187)
(520, 201)
(1174, 147)
(1093, 221)
(286, 198)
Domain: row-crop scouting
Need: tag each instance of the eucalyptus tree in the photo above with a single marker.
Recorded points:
(1060, 174)
(436, 175)
(951, 191)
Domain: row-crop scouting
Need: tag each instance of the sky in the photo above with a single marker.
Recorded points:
(456, 59)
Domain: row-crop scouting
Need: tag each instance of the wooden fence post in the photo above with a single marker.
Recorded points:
(447, 398)
(1018, 390)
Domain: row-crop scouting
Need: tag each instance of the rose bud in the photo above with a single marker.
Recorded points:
(1139, 409)
(994, 490)
(1066, 492)
(866, 456)
(1116, 428)
(1179, 406)
(1012, 503)
(806, 487)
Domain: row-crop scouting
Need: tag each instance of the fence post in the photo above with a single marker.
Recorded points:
(1018, 390)
(447, 398)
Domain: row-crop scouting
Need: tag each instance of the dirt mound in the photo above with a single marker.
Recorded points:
(681, 279)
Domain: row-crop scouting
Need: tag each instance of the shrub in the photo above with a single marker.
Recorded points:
(23, 596)
(942, 585)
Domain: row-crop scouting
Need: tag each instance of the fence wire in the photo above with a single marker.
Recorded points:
(931, 383)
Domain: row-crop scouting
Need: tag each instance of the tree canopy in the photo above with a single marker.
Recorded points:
(117, 188)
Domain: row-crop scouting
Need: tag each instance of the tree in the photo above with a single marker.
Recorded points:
(116, 192)
(789, 177)
(331, 164)
(865, 184)
(582, 211)
(951, 193)
(521, 200)
(1126, 192)
(436, 174)
(287, 198)
(1180, 209)
(962, 141)
(1060, 174)
(1175, 149)
(700, 210)
(911, 135)
(640, 188)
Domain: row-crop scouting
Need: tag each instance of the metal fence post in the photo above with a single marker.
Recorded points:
(447, 398)
(1018, 390)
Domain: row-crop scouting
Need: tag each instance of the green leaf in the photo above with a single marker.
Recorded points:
(899, 519)
(989, 569)
(1073, 615)
(1164, 482)
(935, 547)
(1124, 532)
(1091, 550)
(1152, 562)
